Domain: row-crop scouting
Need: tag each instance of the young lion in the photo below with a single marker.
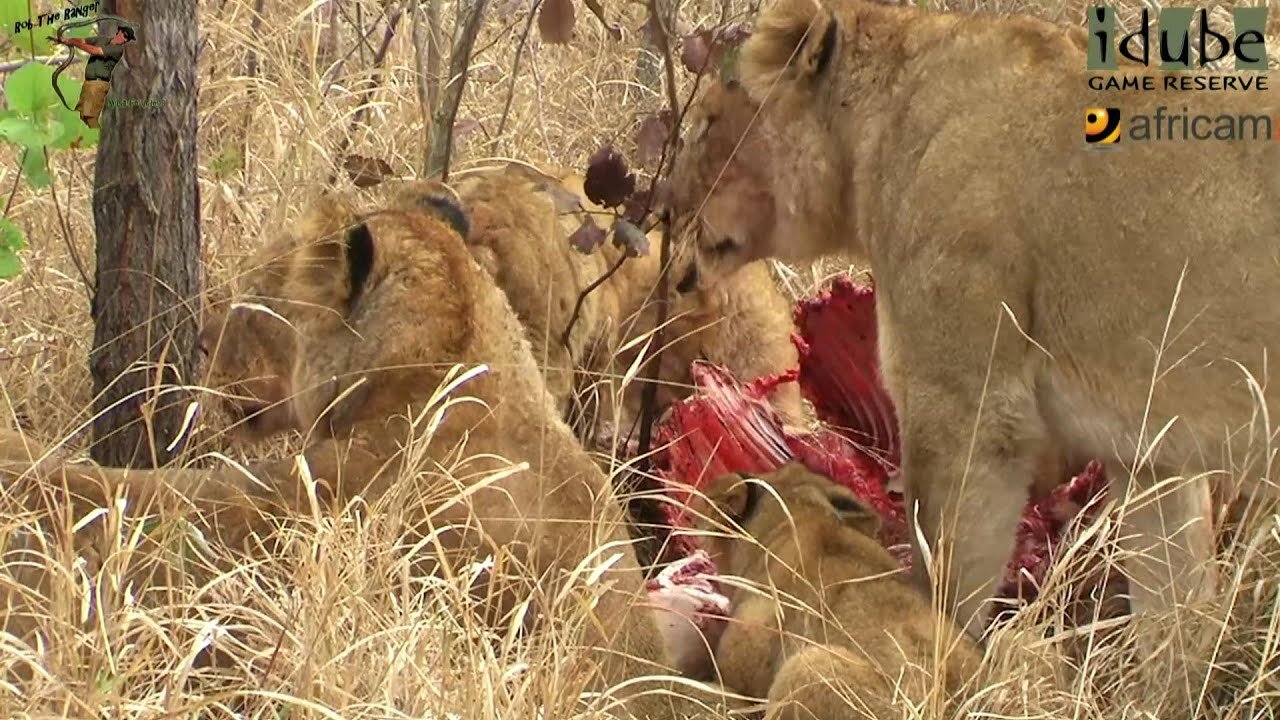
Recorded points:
(384, 309)
(521, 221)
(948, 150)
(828, 624)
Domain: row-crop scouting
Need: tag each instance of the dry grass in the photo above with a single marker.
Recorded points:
(329, 621)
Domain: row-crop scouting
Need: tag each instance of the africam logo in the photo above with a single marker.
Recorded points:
(1103, 129)
(1174, 31)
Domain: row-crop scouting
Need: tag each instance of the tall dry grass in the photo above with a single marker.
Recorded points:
(329, 621)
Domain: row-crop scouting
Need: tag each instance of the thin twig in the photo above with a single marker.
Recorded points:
(649, 392)
(366, 95)
(255, 28)
(582, 296)
(515, 73)
(12, 65)
(358, 24)
(63, 225)
(13, 191)
(337, 68)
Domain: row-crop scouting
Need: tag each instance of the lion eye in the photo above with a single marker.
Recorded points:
(723, 246)
(845, 504)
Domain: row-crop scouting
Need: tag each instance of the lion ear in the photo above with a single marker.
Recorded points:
(795, 41)
(336, 257)
(734, 496)
(436, 199)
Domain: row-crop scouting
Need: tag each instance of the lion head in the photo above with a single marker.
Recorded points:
(759, 511)
(756, 176)
(247, 336)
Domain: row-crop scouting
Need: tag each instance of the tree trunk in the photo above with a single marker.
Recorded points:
(146, 212)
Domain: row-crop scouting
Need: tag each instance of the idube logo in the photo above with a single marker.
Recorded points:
(1175, 39)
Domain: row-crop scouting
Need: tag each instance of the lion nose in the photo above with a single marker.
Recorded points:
(689, 281)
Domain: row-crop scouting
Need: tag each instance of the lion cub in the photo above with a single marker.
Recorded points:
(825, 624)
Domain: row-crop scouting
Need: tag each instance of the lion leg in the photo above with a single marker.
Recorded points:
(972, 434)
(1167, 540)
(750, 649)
(228, 499)
(828, 683)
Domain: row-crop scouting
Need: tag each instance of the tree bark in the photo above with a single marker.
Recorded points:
(146, 212)
(470, 12)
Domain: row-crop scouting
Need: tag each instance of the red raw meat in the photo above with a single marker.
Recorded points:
(729, 426)
(840, 368)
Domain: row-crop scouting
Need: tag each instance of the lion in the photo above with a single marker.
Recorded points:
(1118, 319)
(522, 218)
(387, 310)
(824, 622)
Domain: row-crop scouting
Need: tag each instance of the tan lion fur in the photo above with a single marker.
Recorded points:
(520, 235)
(384, 308)
(827, 622)
(948, 150)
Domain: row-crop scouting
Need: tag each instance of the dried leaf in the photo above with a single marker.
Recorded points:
(608, 182)
(695, 51)
(652, 136)
(630, 238)
(706, 49)
(555, 21)
(588, 236)
(366, 171)
(634, 208)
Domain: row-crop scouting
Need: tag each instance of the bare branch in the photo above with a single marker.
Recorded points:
(15, 64)
(515, 74)
(255, 29)
(649, 392)
(366, 95)
(447, 112)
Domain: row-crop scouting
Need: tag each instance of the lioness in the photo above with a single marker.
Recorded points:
(1126, 304)
(384, 308)
(828, 623)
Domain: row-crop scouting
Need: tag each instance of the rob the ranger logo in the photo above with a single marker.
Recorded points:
(1174, 31)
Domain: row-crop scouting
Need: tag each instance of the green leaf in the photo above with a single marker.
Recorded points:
(83, 32)
(35, 169)
(29, 90)
(22, 131)
(33, 42)
(11, 241)
(12, 11)
(73, 127)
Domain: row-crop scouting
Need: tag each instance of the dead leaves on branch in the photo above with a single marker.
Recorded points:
(609, 181)
(588, 236)
(713, 49)
(556, 19)
(630, 238)
(653, 135)
(611, 184)
(366, 171)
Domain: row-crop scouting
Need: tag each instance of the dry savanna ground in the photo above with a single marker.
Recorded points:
(330, 624)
